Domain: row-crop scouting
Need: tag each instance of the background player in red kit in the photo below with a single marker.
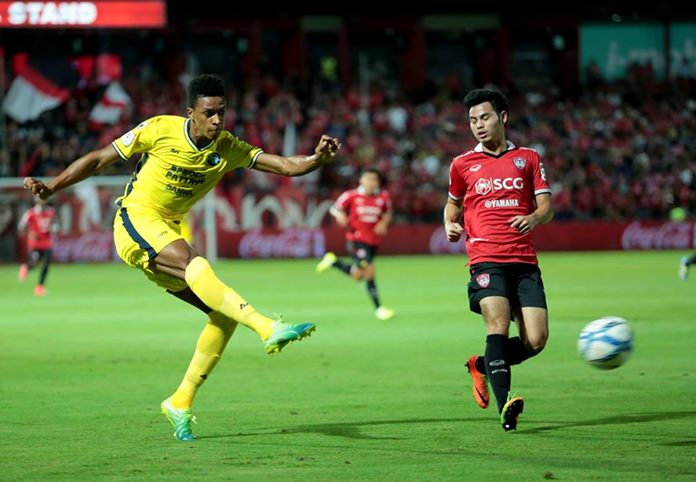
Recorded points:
(40, 221)
(366, 213)
(503, 192)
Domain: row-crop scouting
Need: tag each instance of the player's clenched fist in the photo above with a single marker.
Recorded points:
(523, 224)
(37, 187)
(327, 148)
(454, 232)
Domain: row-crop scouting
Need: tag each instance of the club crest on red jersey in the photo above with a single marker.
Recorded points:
(483, 280)
(483, 186)
(519, 162)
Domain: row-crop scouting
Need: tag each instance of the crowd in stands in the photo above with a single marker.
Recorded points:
(619, 150)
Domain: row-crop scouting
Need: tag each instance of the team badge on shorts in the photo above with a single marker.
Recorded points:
(483, 280)
(361, 253)
(519, 162)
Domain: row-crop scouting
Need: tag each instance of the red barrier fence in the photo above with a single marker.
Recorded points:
(412, 239)
(86, 236)
(404, 239)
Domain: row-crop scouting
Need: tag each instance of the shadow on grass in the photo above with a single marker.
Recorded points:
(350, 430)
(354, 430)
(681, 443)
(617, 420)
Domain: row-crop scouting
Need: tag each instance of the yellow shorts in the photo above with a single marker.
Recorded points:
(139, 234)
(186, 231)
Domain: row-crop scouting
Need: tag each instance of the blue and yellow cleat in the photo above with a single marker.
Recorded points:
(181, 419)
(384, 313)
(286, 333)
(683, 268)
(511, 412)
(326, 262)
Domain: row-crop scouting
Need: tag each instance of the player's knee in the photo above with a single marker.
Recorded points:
(177, 255)
(226, 324)
(537, 342)
(358, 274)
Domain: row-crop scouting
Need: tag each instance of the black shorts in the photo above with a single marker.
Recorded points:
(520, 283)
(362, 253)
(37, 255)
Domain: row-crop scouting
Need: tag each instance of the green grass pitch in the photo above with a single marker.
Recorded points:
(83, 370)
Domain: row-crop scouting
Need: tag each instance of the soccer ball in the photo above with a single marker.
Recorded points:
(606, 343)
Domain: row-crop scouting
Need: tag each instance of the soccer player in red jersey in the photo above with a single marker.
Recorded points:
(366, 213)
(503, 193)
(40, 222)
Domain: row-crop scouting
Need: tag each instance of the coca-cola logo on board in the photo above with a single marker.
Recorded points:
(291, 243)
(92, 246)
(661, 236)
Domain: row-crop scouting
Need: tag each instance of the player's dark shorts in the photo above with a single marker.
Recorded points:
(520, 283)
(362, 253)
(43, 255)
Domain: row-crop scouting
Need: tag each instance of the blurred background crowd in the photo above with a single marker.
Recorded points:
(615, 146)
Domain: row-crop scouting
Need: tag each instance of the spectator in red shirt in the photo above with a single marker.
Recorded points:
(365, 212)
(39, 222)
(503, 193)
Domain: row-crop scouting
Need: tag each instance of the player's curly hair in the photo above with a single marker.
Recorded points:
(479, 96)
(206, 85)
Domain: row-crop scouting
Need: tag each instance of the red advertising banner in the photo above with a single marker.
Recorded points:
(97, 245)
(605, 235)
(281, 226)
(313, 243)
(133, 14)
(88, 247)
(430, 239)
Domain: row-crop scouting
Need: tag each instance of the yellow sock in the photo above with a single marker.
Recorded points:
(209, 348)
(223, 299)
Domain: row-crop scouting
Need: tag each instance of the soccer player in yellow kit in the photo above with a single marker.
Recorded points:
(182, 159)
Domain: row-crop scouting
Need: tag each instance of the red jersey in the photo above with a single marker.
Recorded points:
(39, 224)
(363, 213)
(494, 190)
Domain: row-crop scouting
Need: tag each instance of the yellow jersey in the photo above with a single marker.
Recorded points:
(172, 173)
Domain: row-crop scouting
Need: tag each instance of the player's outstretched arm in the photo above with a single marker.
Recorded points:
(298, 165)
(452, 218)
(382, 225)
(79, 170)
(339, 215)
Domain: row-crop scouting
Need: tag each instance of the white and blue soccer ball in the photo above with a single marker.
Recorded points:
(606, 343)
